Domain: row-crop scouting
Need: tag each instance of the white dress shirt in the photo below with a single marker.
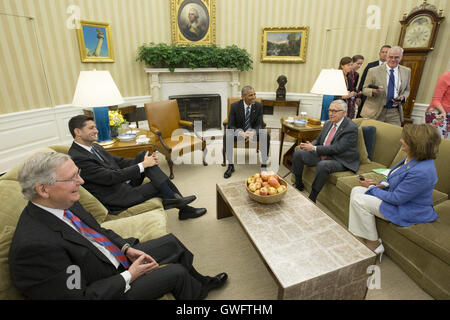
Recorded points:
(397, 82)
(59, 213)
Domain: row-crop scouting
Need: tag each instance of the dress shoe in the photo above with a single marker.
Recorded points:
(229, 171)
(191, 213)
(214, 283)
(178, 202)
(263, 167)
(299, 186)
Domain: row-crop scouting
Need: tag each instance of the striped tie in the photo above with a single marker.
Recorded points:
(101, 239)
(96, 154)
(247, 119)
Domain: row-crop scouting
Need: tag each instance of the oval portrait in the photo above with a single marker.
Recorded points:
(193, 20)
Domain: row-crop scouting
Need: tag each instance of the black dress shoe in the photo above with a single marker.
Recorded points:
(299, 186)
(191, 213)
(229, 171)
(179, 202)
(214, 283)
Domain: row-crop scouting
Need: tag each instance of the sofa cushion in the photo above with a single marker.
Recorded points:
(12, 202)
(60, 149)
(369, 133)
(149, 205)
(387, 141)
(433, 236)
(362, 150)
(7, 290)
(145, 226)
(92, 205)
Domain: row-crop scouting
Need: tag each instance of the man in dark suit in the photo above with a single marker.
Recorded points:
(335, 149)
(59, 251)
(245, 123)
(116, 181)
(383, 55)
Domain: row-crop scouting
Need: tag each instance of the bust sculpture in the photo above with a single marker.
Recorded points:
(281, 91)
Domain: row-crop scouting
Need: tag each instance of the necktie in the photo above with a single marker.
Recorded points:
(391, 87)
(101, 239)
(96, 154)
(247, 119)
(329, 138)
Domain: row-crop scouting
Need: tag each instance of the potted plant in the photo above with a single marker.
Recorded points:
(162, 55)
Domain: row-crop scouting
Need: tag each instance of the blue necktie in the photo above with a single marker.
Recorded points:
(96, 154)
(391, 87)
(247, 119)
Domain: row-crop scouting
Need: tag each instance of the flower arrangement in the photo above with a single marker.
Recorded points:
(115, 121)
(115, 118)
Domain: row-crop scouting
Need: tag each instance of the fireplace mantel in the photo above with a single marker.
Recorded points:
(164, 83)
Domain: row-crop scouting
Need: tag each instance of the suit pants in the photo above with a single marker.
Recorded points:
(176, 273)
(391, 115)
(362, 212)
(323, 168)
(261, 136)
(156, 176)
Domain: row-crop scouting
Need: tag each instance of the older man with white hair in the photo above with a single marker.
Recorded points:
(335, 149)
(387, 88)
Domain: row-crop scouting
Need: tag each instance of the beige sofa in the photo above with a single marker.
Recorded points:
(422, 251)
(145, 221)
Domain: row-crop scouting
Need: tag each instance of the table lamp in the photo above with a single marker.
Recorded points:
(97, 89)
(330, 83)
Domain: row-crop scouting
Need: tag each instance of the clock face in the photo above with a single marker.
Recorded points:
(418, 32)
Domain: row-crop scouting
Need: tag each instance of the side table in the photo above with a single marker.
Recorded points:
(302, 134)
(130, 149)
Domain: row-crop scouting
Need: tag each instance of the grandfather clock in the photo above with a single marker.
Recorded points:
(417, 38)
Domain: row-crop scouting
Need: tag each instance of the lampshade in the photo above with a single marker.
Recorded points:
(96, 89)
(330, 82)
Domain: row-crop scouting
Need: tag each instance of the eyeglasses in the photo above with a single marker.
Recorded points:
(334, 111)
(73, 179)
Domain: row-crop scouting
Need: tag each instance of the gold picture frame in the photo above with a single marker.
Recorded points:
(284, 44)
(94, 41)
(193, 22)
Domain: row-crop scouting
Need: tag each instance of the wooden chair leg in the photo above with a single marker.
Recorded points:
(170, 163)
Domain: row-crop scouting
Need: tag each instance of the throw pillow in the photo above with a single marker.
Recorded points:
(369, 133)
(7, 290)
(363, 157)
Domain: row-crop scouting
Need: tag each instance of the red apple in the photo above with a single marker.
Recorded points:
(256, 176)
(252, 187)
(265, 184)
(263, 191)
(256, 192)
(274, 182)
(281, 188)
(264, 175)
(272, 190)
(258, 185)
(250, 180)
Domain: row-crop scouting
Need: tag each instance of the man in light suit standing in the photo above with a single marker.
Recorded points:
(334, 150)
(387, 88)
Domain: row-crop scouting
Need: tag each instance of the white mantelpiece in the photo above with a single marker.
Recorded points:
(185, 81)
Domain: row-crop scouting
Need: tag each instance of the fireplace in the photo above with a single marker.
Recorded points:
(200, 107)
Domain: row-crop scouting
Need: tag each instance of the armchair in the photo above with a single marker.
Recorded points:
(225, 126)
(163, 119)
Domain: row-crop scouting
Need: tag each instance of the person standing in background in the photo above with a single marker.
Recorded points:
(438, 113)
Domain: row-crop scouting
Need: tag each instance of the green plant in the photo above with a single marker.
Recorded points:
(162, 55)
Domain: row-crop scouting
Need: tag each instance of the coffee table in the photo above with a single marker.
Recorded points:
(309, 255)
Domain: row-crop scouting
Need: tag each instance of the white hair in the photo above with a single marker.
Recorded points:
(341, 104)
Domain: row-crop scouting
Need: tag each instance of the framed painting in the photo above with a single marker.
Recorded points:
(193, 22)
(94, 41)
(284, 44)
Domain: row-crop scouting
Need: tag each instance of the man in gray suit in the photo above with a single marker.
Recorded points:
(387, 88)
(334, 150)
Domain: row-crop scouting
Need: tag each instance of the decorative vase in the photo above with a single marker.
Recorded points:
(114, 132)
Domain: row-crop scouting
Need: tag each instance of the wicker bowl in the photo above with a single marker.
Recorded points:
(269, 198)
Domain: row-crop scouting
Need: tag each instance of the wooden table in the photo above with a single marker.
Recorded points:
(309, 255)
(130, 149)
(282, 103)
(302, 134)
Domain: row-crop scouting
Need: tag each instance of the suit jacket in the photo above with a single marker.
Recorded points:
(236, 117)
(408, 199)
(106, 180)
(370, 65)
(343, 147)
(374, 103)
(43, 247)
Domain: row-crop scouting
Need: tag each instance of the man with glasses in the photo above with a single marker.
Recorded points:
(334, 150)
(387, 88)
(55, 235)
(117, 182)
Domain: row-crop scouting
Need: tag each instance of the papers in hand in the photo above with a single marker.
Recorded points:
(382, 171)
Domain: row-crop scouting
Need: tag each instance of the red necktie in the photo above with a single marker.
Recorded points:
(329, 138)
(101, 239)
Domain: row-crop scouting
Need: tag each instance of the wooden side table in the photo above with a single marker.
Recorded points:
(130, 149)
(282, 103)
(302, 134)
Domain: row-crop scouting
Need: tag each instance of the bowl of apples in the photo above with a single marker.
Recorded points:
(266, 187)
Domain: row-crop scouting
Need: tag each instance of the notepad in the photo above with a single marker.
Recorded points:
(382, 171)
